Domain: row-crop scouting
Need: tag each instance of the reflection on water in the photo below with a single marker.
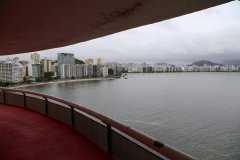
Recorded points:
(195, 112)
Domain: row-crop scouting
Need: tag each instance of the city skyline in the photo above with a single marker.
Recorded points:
(211, 34)
(67, 67)
(98, 60)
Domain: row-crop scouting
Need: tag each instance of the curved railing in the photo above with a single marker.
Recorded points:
(119, 140)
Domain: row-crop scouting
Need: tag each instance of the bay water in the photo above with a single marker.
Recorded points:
(198, 113)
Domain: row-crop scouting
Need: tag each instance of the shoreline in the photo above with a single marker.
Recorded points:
(61, 81)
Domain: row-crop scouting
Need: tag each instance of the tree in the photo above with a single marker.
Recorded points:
(48, 75)
(78, 61)
(110, 71)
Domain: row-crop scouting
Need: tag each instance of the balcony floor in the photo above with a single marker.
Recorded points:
(27, 135)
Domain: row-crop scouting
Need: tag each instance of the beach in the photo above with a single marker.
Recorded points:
(60, 81)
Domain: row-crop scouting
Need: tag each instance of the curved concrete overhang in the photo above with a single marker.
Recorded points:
(27, 25)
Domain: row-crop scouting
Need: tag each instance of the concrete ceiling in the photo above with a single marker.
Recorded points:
(28, 25)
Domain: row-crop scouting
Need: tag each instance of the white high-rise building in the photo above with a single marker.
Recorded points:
(46, 66)
(33, 70)
(99, 61)
(79, 70)
(55, 69)
(105, 71)
(35, 58)
(62, 71)
(11, 72)
(64, 58)
(18, 73)
(67, 71)
(88, 70)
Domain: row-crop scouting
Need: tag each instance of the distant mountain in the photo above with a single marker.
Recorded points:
(202, 62)
(78, 61)
(231, 62)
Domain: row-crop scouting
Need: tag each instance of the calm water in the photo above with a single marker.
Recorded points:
(198, 113)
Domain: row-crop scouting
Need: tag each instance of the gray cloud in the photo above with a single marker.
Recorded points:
(212, 34)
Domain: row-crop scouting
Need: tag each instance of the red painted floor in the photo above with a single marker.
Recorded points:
(27, 135)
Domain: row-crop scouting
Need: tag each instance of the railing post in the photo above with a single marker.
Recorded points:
(109, 139)
(4, 97)
(46, 106)
(24, 100)
(72, 117)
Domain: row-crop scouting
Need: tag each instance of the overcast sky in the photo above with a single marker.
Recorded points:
(212, 34)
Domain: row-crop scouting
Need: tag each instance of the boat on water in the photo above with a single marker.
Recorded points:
(124, 75)
(39, 126)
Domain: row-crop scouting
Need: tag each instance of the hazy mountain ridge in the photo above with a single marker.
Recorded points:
(203, 62)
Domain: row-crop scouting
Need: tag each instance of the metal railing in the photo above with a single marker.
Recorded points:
(119, 140)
